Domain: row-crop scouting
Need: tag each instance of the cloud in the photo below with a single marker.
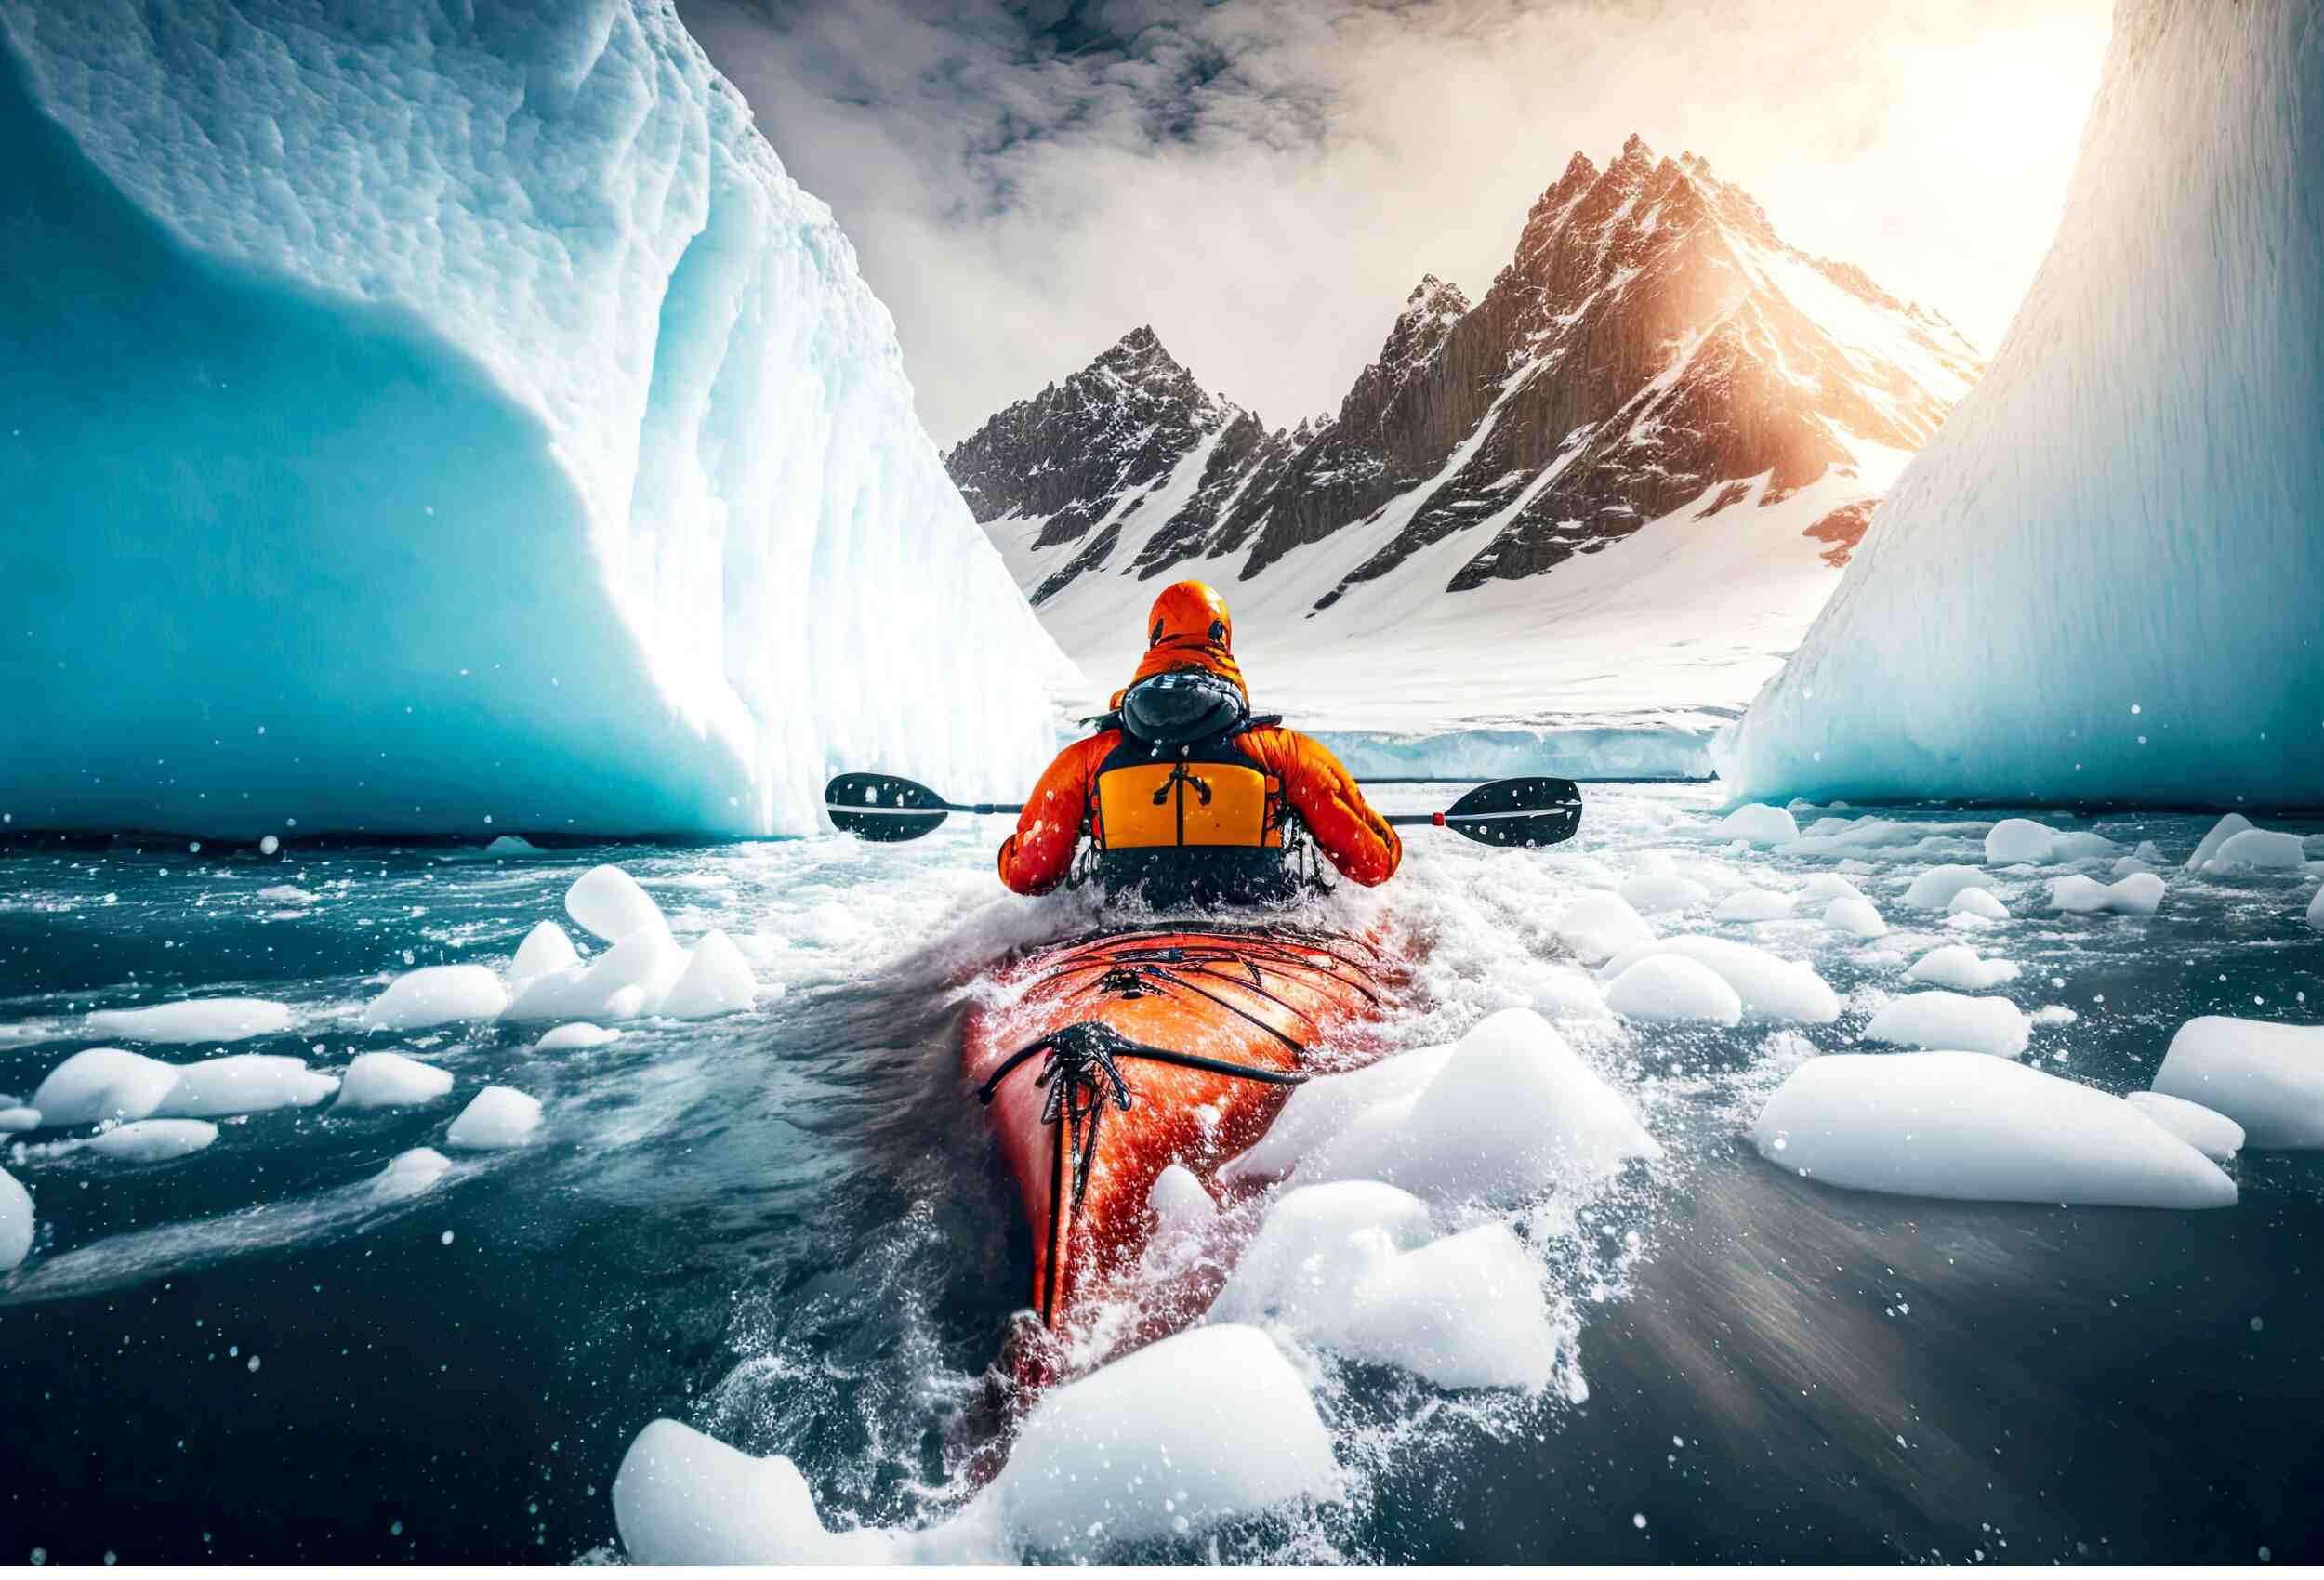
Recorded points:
(1263, 180)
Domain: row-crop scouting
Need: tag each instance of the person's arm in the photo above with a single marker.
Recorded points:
(1036, 858)
(1345, 828)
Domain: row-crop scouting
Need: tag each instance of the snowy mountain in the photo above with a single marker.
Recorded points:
(2102, 583)
(430, 418)
(1661, 430)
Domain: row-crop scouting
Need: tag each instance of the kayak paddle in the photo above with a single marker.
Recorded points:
(1508, 812)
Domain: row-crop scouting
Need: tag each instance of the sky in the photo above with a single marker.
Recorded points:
(1263, 181)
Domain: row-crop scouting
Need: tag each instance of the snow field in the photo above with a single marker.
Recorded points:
(1967, 1127)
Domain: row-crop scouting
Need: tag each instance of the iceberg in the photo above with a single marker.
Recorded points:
(2101, 582)
(432, 416)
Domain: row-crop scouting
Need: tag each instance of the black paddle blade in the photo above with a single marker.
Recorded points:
(1518, 811)
(880, 806)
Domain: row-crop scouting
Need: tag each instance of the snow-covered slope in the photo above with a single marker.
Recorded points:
(2103, 580)
(1574, 525)
(425, 413)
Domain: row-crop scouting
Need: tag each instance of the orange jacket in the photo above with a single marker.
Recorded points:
(1036, 858)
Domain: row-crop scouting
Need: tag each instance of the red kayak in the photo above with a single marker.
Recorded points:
(1107, 1060)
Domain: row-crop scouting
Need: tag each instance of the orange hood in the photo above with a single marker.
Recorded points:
(1189, 629)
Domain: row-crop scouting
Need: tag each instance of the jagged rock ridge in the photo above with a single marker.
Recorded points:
(1654, 347)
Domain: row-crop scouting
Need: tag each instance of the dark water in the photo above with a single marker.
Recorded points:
(787, 1229)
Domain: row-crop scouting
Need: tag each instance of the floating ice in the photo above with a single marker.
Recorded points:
(150, 1140)
(1664, 989)
(2268, 1078)
(390, 1080)
(1653, 892)
(1829, 887)
(1205, 1426)
(1600, 925)
(1179, 1201)
(1937, 1020)
(17, 1118)
(508, 845)
(408, 1174)
(245, 1083)
(287, 894)
(1855, 916)
(1970, 1128)
(100, 1083)
(1754, 906)
(2019, 839)
(421, 294)
(717, 980)
(2137, 895)
(1327, 1105)
(497, 1116)
(196, 1020)
(2226, 828)
(2213, 1134)
(572, 1035)
(434, 995)
(629, 980)
(16, 1221)
(1977, 902)
(2316, 911)
(2128, 605)
(544, 949)
(1513, 1110)
(1759, 824)
(1935, 889)
(2259, 850)
(1770, 988)
(608, 902)
(1957, 966)
(1355, 1268)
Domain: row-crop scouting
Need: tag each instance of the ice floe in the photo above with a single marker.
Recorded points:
(2209, 1132)
(390, 1080)
(717, 980)
(1759, 824)
(16, 1221)
(1855, 916)
(2226, 828)
(1976, 902)
(1668, 989)
(1934, 889)
(497, 1116)
(1755, 905)
(434, 996)
(1179, 1201)
(1600, 925)
(1957, 966)
(609, 902)
(16, 1118)
(1770, 989)
(2265, 1077)
(245, 1083)
(2258, 851)
(1940, 1020)
(574, 1035)
(544, 949)
(1652, 893)
(2137, 895)
(195, 1020)
(100, 1083)
(150, 1140)
(1972, 1129)
(409, 1174)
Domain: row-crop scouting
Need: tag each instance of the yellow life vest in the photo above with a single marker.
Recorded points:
(1150, 797)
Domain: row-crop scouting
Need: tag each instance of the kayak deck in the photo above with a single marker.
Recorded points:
(1108, 1059)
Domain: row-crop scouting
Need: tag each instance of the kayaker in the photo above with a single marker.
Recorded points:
(1187, 797)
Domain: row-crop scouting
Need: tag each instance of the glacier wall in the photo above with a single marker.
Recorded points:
(2105, 579)
(447, 415)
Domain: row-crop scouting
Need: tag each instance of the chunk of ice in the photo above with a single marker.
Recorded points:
(100, 1083)
(195, 1020)
(390, 1080)
(1967, 1127)
(2213, 1134)
(717, 980)
(511, 845)
(1653, 893)
(497, 1116)
(1772, 989)
(2019, 839)
(608, 902)
(1663, 989)
(572, 1035)
(2265, 1077)
(2259, 850)
(1754, 906)
(1760, 824)
(151, 1140)
(16, 1119)
(245, 1083)
(544, 949)
(2316, 911)
(408, 1174)
(1938, 1019)
(1977, 902)
(1327, 1105)
(1179, 1201)
(435, 995)
(1855, 916)
(2226, 828)
(1934, 889)
(16, 1221)
(2137, 895)
(1957, 966)
(1598, 924)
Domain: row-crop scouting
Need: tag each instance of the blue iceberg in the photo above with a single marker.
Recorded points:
(2104, 580)
(418, 417)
